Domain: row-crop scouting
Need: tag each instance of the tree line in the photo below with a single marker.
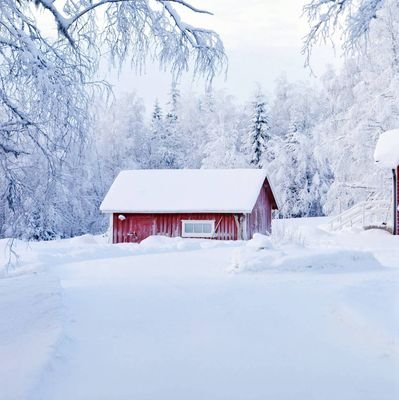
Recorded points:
(58, 156)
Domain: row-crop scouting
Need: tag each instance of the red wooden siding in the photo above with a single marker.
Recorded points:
(260, 220)
(137, 227)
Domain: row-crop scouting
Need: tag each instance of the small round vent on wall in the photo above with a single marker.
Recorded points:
(121, 217)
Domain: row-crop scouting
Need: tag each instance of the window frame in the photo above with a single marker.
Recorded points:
(197, 222)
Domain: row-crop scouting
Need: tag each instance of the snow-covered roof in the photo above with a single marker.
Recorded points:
(387, 150)
(184, 191)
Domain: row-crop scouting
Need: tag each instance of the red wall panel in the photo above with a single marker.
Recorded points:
(136, 227)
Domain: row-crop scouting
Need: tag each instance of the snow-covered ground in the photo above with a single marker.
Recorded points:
(307, 315)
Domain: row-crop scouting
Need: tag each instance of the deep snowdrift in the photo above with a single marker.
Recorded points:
(262, 254)
(82, 319)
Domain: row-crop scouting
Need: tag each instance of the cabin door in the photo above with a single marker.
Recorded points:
(139, 228)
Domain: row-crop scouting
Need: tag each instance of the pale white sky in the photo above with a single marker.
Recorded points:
(263, 38)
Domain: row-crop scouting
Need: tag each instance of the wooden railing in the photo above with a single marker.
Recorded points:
(376, 213)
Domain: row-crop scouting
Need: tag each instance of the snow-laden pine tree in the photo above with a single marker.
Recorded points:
(173, 146)
(259, 136)
(156, 138)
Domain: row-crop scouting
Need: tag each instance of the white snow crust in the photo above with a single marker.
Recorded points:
(387, 149)
(185, 190)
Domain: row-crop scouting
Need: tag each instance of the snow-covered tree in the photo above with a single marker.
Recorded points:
(225, 142)
(173, 144)
(300, 180)
(352, 18)
(259, 134)
(157, 138)
(192, 125)
(49, 57)
(120, 136)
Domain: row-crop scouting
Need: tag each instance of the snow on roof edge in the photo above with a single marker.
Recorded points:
(386, 151)
(212, 211)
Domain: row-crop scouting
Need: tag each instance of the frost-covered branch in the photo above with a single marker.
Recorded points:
(327, 18)
(6, 149)
(137, 27)
(187, 5)
(61, 21)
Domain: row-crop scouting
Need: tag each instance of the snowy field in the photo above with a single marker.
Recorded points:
(307, 315)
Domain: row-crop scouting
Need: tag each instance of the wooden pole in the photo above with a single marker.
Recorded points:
(395, 203)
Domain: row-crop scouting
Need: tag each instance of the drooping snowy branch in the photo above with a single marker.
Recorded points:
(136, 28)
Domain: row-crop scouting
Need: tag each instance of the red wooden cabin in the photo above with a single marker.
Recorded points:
(217, 204)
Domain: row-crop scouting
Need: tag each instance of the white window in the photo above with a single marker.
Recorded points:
(198, 228)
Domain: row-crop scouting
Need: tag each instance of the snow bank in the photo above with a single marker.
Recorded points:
(387, 149)
(164, 243)
(27, 257)
(17, 258)
(321, 261)
(161, 244)
(260, 254)
(260, 242)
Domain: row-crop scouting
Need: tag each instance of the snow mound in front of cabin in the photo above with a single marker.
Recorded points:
(262, 254)
(157, 244)
(27, 257)
(164, 243)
